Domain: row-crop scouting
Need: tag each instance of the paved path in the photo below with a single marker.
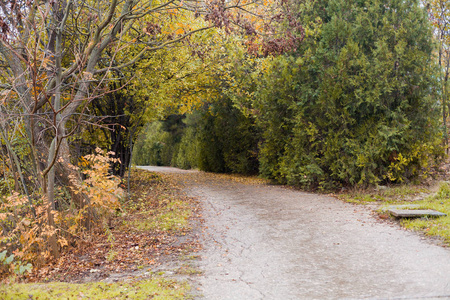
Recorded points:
(271, 242)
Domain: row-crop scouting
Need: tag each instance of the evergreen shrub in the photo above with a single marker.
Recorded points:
(354, 105)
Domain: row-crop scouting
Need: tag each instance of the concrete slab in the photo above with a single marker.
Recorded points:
(415, 213)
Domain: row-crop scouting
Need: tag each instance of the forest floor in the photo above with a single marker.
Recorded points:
(145, 251)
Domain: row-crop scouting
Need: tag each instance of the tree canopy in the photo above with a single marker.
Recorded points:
(355, 102)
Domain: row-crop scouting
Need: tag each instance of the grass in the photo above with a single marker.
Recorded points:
(154, 288)
(173, 217)
(411, 194)
(434, 226)
(361, 198)
(384, 194)
(188, 269)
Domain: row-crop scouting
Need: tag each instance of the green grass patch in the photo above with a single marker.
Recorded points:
(384, 194)
(173, 217)
(361, 198)
(188, 269)
(402, 191)
(410, 194)
(434, 226)
(155, 288)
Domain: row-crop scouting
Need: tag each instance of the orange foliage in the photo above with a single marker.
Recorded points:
(26, 233)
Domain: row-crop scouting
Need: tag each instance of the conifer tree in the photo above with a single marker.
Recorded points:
(355, 103)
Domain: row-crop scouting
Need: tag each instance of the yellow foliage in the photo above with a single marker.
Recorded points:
(26, 234)
(23, 234)
(404, 163)
(100, 188)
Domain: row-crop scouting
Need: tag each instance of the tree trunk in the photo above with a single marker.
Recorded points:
(51, 201)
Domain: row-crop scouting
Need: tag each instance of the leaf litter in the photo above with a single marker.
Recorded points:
(145, 236)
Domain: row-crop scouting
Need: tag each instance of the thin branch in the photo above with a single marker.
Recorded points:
(146, 49)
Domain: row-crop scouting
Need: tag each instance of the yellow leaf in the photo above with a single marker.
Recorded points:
(63, 242)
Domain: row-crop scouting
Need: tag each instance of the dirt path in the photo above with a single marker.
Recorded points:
(271, 242)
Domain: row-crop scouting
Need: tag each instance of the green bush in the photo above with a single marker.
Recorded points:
(228, 140)
(153, 146)
(354, 104)
(187, 154)
(215, 138)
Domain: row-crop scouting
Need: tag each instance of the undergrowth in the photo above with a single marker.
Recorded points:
(28, 224)
(141, 234)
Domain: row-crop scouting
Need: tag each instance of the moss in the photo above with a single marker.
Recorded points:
(155, 288)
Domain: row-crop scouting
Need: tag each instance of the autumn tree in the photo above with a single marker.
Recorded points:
(57, 57)
(181, 77)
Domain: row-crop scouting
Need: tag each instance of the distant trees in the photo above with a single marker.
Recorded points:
(217, 139)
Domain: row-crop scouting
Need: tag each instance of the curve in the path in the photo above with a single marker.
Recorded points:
(271, 242)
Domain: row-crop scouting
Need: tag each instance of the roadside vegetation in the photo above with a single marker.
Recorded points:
(157, 288)
(439, 227)
(151, 228)
(391, 194)
(435, 197)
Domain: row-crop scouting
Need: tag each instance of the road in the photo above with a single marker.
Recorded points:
(273, 242)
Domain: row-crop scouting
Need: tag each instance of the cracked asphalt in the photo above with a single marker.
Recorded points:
(272, 242)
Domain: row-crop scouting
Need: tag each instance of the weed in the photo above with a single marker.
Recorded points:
(13, 265)
(384, 194)
(190, 257)
(187, 269)
(111, 255)
(361, 198)
(111, 239)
